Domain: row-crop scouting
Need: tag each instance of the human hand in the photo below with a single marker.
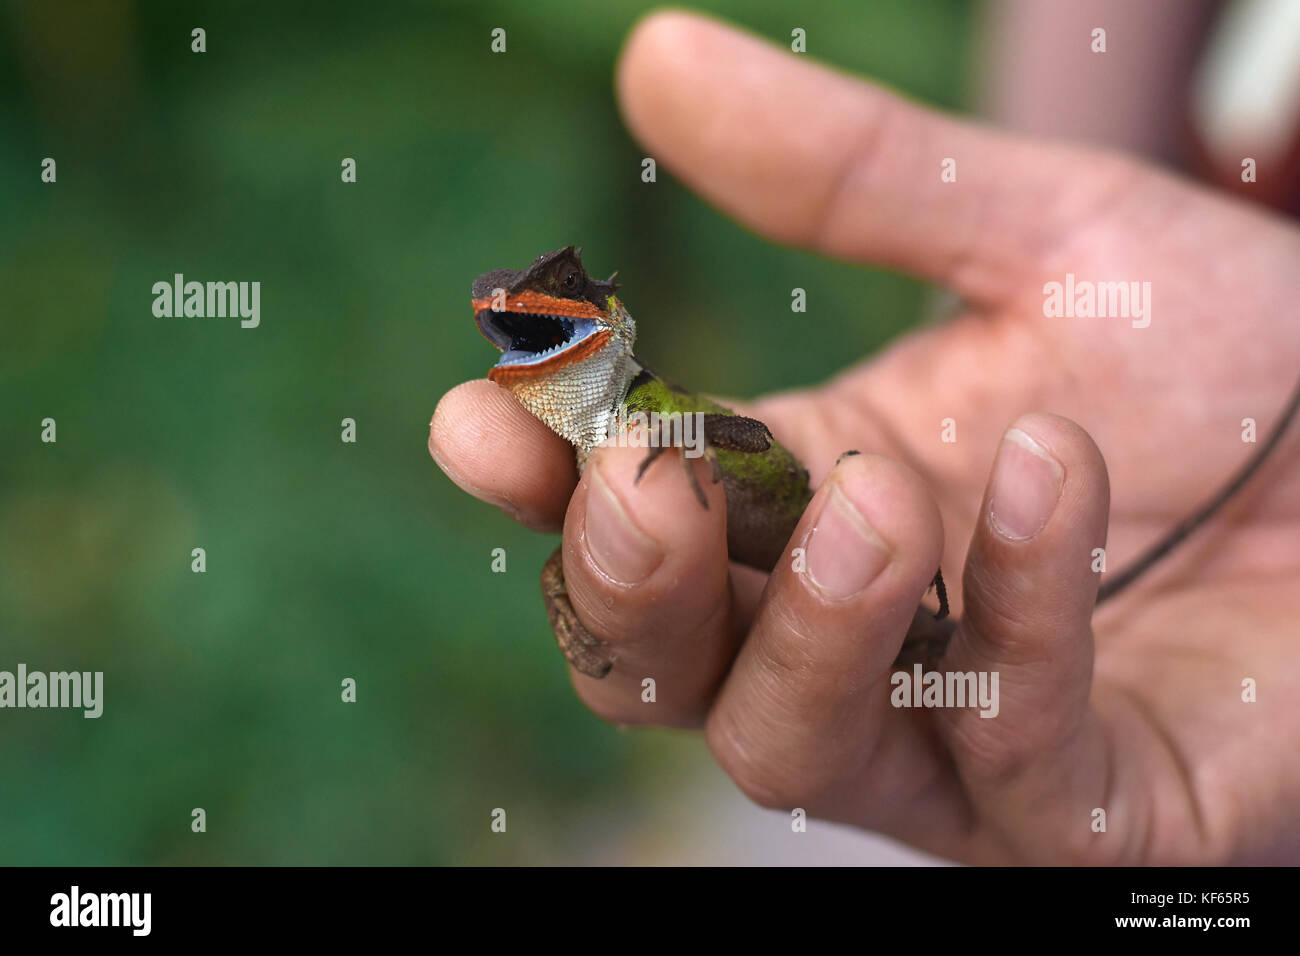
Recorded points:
(1138, 712)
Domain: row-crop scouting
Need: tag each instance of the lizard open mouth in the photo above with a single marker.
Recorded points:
(532, 338)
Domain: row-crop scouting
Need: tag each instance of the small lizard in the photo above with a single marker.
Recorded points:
(566, 353)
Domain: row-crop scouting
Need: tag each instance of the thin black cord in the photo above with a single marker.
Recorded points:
(1122, 579)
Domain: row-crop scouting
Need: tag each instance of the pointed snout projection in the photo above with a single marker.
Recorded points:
(545, 317)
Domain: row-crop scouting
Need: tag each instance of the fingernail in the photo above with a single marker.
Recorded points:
(844, 553)
(1026, 486)
(621, 550)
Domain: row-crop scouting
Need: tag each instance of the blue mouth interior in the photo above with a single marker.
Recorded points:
(528, 338)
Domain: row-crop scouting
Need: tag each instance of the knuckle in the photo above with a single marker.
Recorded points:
(759, 785)
(792, 661)
(996, 760)
(759, 770)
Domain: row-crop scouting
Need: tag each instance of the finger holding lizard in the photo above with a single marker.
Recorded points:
(646, 571)
(644, 566)
(803, 719)
(497, 452)
(811, 715)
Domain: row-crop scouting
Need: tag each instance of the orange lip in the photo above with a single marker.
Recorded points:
(542, 304)
(508, 374)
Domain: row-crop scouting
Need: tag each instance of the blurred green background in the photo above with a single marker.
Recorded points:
(328, 560)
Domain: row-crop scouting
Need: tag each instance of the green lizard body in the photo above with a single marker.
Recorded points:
(566, 343)
(766, 490)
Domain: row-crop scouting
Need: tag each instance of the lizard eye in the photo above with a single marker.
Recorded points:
(571, 281)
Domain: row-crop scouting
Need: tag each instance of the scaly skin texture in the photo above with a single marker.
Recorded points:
(567, 357)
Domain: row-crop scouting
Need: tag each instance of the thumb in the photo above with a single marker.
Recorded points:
(1037, 759)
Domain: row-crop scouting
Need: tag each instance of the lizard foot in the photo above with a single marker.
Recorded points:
(736, 433)
(653, 454)
(728, 432)
(586, 652)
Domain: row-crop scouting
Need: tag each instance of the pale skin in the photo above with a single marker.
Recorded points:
(1136, 709)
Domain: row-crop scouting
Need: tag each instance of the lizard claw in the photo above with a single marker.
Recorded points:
(942, 591)
(717, 465)
(695, 483)
(654, 452)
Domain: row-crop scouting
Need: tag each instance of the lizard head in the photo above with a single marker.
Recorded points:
(547, 317)
(565, 340)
